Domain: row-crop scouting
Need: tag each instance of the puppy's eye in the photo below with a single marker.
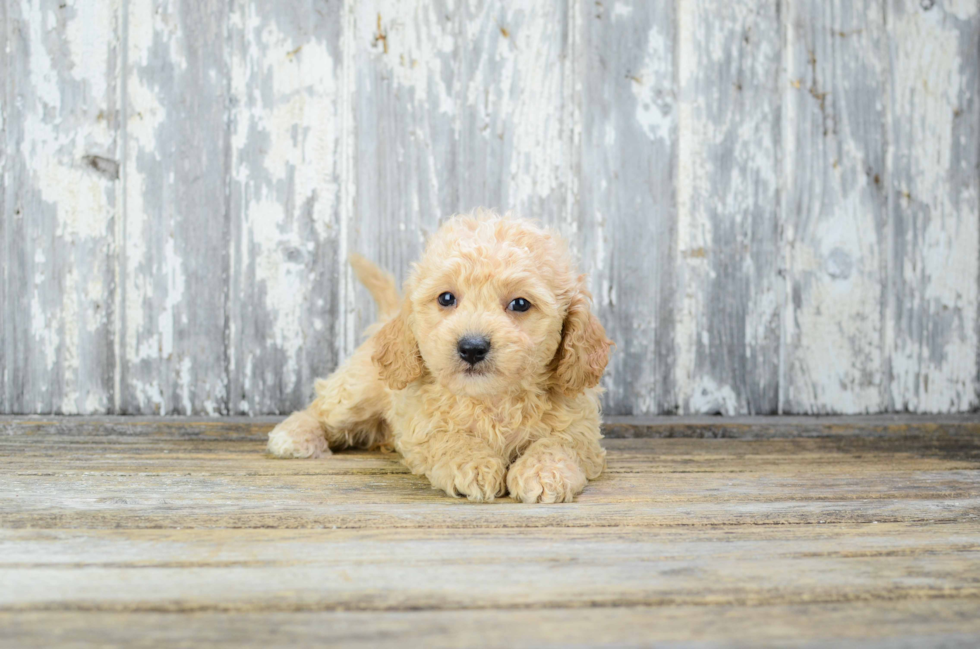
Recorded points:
(447, 299)
(520, 305)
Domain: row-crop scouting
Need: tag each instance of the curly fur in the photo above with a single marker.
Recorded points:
(527, 424)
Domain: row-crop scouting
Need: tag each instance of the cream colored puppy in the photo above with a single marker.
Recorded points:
(484, 378)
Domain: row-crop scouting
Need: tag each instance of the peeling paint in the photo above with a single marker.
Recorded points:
(285, 141)
(835, 240)
(709, 398)
(624, 195)
(777, 211)
(933, 321)
(726, 316)
(652, 85)
(57, 204)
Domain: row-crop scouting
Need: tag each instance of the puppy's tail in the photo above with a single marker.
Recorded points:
(378, 282)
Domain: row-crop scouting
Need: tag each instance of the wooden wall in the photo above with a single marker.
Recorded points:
(777, 201)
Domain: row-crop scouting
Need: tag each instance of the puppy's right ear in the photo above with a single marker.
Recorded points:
(396, 352)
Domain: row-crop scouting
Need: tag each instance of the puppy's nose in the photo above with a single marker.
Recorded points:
(473, 349)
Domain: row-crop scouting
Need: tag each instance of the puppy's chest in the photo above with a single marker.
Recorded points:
(509, 423)
(513, 424)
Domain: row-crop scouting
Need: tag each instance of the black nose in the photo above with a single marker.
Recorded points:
(473, 349)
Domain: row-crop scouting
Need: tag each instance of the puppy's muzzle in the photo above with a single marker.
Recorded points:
(473, 349)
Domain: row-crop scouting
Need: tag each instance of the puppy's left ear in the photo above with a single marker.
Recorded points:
(584, 349)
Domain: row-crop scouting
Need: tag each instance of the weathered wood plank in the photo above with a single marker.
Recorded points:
(934, 203)
(358, 586)
(171, 346)
(59, 548)
(923, 623)
(5, 340)
(55, 478)
(644, 470)
(284, 202)
(256, 428)
(60, 169)
(727, 317)
(513, 65)
(356, 570)
(136, 489)
(405, 114)
(457, 516)
(629, 140)
(831, 460)
(870, 536)
(211, 276)
(790, 427)
(835, 207)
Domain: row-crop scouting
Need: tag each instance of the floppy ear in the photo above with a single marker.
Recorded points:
(584, 349)
(396, 352)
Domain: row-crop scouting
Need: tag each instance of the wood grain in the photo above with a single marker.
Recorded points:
(285, 199)
(949, 622)
(836, 205)
(727, 317)
(61, 168)
(171, 349)
(776, 203)
(896, 426)
(405, 114)
(860, 530)
(629, 139)
(343, 570)
(515, 66)
(934, 202)
(6, 340)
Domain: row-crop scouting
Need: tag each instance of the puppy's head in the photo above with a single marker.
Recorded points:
(494, 305)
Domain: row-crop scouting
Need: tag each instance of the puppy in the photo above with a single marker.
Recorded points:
(484, 377)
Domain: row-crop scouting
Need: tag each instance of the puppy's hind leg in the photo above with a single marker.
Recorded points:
(349, 407)
(347, 412)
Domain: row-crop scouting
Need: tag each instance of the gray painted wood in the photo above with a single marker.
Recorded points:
(934, 189)
(835, 206)
(172, 352)
(284, 202)
(777, 203)
(728, 312)
(951, 434)
(516, 68)
(5, 341)
(59, 203)
(405, 173)
(629, 148)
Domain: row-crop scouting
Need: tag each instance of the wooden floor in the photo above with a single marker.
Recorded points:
(136, 532)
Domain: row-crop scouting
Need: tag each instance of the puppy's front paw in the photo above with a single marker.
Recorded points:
(546, 477)
(480, 480)
(299, 436)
